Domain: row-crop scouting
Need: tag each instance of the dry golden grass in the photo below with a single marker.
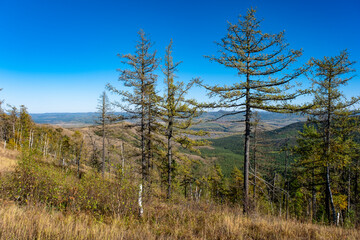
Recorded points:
(161, 221)
(37, 223)
(8, 159)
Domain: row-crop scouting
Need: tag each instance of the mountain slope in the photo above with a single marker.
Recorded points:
(228, 151)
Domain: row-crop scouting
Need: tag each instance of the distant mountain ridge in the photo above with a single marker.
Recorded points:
(225, 124)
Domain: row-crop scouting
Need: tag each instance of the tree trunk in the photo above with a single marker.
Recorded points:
(349, 191)
(285, 179)
(185, 189)
(247, 142)
(169, 155)
(149, 147)
(330, 200)
(254, 160)
(141, 210)
(143, 153)
(356, 197)
(246, 157)
(103, 144)
(329, 197)
(313, 205)
(122, 160)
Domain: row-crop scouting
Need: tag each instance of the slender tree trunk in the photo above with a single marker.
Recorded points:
(20, 136)
(169, 153)
(273, 188)
(122, 160)
(246, 160)
(143, 152)
(185, 189)
(103, 145)
(149, 147)
(329, 200)
(313, 205)
(247, 144)
(14, 131)
(30, 139)
(45, 145)
(141, 210)
(356, 197)
(328, 194)
(254, 160)
(285, 180)
(349, 191)
(327, 197)
(330, 207)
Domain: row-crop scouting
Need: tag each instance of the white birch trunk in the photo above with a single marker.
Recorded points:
(141, 210)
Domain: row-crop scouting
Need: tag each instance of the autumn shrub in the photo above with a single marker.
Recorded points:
(38, 182)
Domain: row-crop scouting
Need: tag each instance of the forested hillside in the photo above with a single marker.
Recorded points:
(272, 144)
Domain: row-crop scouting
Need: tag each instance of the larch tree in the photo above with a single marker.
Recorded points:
(178, 114)
(2, 118)
(104, 109)
(217, 184)
(26, 125)
(77, 145)
(152, 126)
(308, 166)
(264, 60)
(140, 78)
(347, 129)
(328, 76)
(13, 119)
(258, 155)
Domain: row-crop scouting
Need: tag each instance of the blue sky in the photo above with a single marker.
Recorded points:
(57, 56)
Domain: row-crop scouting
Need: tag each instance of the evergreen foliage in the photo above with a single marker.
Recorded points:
(260, 58)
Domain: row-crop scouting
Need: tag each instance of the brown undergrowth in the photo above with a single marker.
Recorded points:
(162, 220)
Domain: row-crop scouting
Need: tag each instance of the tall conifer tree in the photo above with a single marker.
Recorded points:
(104, 109)
(140, 77)
(328, 76)
(260, 58)
(178, 114)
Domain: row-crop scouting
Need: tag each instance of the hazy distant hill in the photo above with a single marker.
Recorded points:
(65, 119)
(233, 123)
(228, 124)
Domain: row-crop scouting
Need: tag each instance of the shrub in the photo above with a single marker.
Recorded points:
(34, 181)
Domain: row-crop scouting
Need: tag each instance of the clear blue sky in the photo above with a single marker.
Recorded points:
(57, 55)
